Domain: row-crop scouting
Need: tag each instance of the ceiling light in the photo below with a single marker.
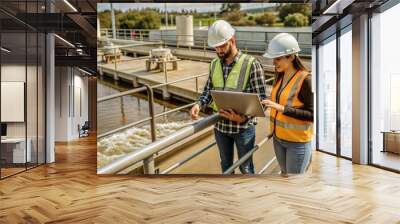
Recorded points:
(5, 50)
(65, 41)
(84, 71)
(70, 5)
(338, 6)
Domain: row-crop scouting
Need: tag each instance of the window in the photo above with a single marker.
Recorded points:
(327, 96)
(385, 89)
(346, 92)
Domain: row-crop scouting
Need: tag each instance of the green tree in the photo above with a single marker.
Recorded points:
(267, 18)
(296, 19)
(244, 22)
(286, 9)
(144, 19)
(229, 7)
(233, 16)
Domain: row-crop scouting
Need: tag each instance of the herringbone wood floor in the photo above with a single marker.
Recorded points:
(69, 191)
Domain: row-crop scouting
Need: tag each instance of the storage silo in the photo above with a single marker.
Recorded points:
(98, 29)
(184, 30)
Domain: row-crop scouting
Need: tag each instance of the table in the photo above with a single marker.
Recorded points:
(391, 141)
(107, 58)
(161, 65)
(13, 150)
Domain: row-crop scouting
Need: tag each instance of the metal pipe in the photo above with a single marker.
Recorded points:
(151, 111)
(180, 163)
(269, 80)
(122, 128)
(142, 121)
(141, 154)
(132, 91)
(197, 84)
(113, 21)
(267, 165)
(247, 156)
(144, 88)
(115, 65)
(174, 110)
(128, 45)
(148, 163)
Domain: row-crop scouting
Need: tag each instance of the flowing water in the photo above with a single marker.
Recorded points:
(124, 110)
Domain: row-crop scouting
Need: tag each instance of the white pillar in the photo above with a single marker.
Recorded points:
(314, 87)
(360, 90)
(50, 99)
(113, 22)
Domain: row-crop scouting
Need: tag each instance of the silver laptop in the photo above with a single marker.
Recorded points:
(242, 103)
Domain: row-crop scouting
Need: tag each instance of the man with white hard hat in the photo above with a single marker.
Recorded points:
(232, 70)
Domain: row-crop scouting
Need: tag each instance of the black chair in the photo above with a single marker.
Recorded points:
(84, 130)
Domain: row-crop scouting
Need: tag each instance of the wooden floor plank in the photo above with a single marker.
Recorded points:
(69, 191)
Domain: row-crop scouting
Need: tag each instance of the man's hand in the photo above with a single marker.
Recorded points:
(231, 115)
(194, 112)
(271, 104)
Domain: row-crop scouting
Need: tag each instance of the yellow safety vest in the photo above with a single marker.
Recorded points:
(285, 127)
(237, 77)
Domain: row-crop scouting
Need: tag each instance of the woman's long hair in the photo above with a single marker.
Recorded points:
(297, 64)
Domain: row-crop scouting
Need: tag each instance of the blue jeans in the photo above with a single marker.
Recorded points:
(293, 157)
(244, 141)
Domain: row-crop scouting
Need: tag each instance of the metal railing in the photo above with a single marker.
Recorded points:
(150, 94)
(247, 156)
(155, 147)
(249, 41)
(148, 162)
(147, 154)
(180, 163)
(233, 167)
(149, 150)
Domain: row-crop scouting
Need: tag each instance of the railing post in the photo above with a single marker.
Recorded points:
(165, 94)
(204, 47)
(197, 84)
(148, 163)
(115, 65)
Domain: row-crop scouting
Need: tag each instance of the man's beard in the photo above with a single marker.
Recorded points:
(225, 55)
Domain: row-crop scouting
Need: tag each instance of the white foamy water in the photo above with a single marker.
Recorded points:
(117, 145)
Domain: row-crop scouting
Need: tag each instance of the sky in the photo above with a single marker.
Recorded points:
(200, 7)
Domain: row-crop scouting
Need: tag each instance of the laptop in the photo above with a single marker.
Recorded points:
(242, 103)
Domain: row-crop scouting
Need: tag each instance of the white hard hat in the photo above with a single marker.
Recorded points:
(281, 45)
(219, 33)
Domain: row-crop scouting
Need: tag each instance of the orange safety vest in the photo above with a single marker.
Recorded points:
(285, 127)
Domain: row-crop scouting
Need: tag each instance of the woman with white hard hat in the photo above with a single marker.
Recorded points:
(291, 104)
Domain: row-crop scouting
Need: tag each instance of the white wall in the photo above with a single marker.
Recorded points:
(33, 126)
(13, 73)
(71, 94)
(62, 80)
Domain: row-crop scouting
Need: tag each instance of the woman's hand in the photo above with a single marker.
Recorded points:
(231, 115)
(272, 104)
